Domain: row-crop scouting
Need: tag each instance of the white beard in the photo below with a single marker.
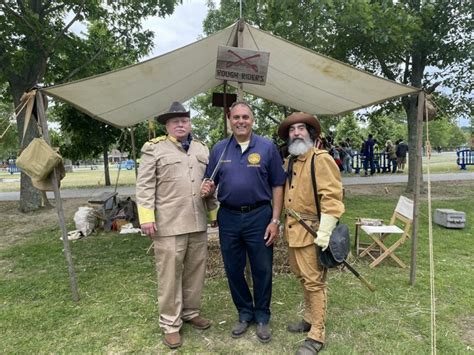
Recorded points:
(299, 146)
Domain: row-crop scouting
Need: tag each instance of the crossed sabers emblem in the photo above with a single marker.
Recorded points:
(243, 60)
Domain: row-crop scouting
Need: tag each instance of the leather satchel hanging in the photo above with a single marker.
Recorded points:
(339, 241)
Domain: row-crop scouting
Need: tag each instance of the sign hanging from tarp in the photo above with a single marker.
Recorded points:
(242, 65)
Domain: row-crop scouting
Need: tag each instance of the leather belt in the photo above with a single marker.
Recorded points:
(246, 208)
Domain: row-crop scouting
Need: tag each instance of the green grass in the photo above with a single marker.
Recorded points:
(117, 312)
(82, 178)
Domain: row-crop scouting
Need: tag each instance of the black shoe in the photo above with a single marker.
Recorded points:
(299, 327)
(264, 334)
(310, 347)
(239, 329)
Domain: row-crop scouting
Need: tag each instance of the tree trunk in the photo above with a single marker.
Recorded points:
(106, 166)
(411, 111)
(410, 103)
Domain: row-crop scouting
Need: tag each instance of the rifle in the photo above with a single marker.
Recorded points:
(310, 230)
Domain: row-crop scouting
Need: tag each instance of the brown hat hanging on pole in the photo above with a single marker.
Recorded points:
(298, 117)
(176, 110)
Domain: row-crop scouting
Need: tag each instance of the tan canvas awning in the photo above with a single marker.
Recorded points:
(297, 77)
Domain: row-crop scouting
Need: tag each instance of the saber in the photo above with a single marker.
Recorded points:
(296, 216)
(219, 162)
(216, 168)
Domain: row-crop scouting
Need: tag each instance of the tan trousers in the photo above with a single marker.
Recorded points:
(181, 269)
(312, 277)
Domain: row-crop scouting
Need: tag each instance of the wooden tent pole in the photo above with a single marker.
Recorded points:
(134, 152)
(41, 115)
(240, 44)
(225, 109)
(417, 188)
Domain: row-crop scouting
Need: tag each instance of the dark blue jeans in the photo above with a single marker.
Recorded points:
(368, 161)
(393, 162)
(241, 234)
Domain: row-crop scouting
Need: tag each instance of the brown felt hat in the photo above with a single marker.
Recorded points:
(176, 110)
(298, 117)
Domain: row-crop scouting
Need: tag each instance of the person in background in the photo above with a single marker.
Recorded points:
(391, 156)
(368, 153)
(401, 152)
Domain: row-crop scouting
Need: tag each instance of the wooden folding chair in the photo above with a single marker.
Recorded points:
(403, 215)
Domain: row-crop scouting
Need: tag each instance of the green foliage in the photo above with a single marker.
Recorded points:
(37, 47)
(349, 129)
(384, 128)
(208, 122)
(83, 137)
(9, 144)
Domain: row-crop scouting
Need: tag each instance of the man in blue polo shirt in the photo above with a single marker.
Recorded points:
(250, 178)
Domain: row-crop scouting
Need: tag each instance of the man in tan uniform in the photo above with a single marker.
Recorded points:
(301, 130)
(173, 214)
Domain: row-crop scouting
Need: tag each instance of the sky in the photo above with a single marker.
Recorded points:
(183, 27)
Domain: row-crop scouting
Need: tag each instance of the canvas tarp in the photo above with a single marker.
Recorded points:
(297, 78)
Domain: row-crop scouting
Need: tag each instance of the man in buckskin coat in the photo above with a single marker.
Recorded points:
(301, 130)
(173, 213)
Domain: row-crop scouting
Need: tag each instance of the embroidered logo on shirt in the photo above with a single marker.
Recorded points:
(254, 158)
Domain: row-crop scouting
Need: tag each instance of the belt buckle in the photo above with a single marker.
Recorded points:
(245, 209)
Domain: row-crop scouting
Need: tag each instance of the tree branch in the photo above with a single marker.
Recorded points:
(26, 22)
(64, 30)
(432, 87)
(54, 8)
(75, 71)
(385, 69)
(406, 72)
(21, 5)
(270, 117)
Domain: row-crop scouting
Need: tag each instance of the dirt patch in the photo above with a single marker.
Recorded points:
(467, 331)
(16, 225)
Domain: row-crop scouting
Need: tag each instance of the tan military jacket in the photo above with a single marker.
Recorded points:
(169, 184)
(300, 197)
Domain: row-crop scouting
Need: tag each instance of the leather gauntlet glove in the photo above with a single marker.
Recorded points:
(326, 226)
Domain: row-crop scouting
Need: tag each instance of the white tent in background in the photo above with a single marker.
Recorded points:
(297, 78)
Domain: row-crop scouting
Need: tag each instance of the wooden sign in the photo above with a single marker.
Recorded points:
(242, 65)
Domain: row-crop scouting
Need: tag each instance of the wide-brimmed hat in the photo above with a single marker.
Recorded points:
(176, 110)
(298, 117)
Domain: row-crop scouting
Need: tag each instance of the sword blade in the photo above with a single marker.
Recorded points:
(219, 162)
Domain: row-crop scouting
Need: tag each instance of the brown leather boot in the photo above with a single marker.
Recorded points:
(199, 322)
(172, 340)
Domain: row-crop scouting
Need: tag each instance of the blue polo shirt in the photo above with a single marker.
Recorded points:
(246, 178)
